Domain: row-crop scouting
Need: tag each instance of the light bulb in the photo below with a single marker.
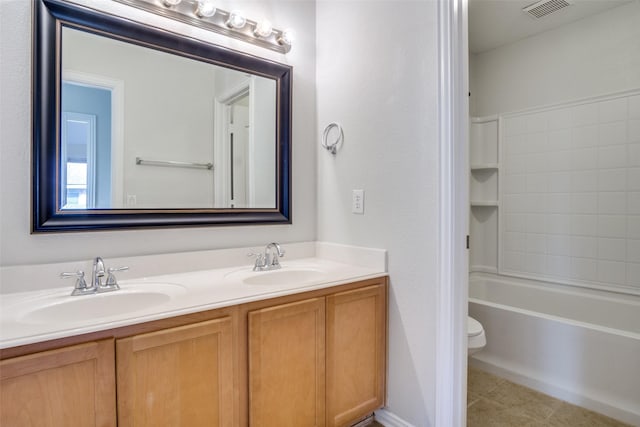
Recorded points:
(236, 20)
(170, 3)
(263, 29)
(205, 9)
(287, 37)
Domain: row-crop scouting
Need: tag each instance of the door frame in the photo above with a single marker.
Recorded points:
(65, 117)
(222, 104)
(451, 334)
(117, 126)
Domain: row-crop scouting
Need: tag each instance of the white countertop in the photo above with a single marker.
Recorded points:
(196, 291)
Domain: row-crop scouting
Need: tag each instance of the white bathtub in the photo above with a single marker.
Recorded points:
(579, 345)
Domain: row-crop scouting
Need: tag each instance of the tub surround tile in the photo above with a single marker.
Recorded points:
(634, 154)
(634, 131)
(633, 273)
(582, 175)
(634, 107)
(613, 133)
(495, 402)
(633, 179)
(613, 226)
(612, 110)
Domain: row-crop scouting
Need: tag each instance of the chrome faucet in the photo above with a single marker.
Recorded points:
(96, 286)
(269, 260)
(98, 273)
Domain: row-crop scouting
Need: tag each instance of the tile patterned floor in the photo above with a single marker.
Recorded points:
(496, 402)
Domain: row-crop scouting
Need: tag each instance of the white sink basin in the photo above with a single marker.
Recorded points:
(286, 276)
(96, 306)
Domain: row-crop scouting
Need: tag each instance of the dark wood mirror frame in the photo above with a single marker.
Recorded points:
(49, 18)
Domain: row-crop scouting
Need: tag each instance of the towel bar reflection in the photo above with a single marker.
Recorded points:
(172, 163)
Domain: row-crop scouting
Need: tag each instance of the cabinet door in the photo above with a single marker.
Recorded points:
(286, 365)
(356, 352)
(178, 377)
(67, 387)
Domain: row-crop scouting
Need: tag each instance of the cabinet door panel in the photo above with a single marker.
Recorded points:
(286, 365)
(67, 387)
(178, 377)
(356, 351)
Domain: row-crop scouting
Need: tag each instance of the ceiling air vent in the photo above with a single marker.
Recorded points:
(546, 7)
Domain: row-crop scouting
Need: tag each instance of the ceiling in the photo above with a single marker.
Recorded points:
(493, 23)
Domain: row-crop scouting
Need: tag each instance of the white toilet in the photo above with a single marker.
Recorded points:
(475, 336)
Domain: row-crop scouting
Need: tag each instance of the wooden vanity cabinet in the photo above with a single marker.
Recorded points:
(68, 387)
(287, 365)
(310, 359)
(176, 377)
(320, 361)
(356, 353)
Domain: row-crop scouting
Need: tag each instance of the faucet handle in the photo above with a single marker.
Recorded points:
(80, 287)
(78, 273)
(112, 282)
(259, 264)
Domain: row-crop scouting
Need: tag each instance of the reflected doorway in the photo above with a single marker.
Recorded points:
(85, 162)
(78, 161)
(238, 140)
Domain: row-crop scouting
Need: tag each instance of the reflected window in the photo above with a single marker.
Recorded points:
(76, 186)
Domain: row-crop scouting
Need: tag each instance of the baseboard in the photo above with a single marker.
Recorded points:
(528, 380)
(389, 419)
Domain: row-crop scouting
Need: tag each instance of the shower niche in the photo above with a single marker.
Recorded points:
(483, 188)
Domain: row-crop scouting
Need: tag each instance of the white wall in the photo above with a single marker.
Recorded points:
(377, 74)
(18, 247)
(594, 56)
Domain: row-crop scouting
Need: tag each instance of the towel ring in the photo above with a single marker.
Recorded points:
(332, 147)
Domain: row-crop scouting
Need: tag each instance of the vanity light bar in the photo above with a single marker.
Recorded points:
(202, 13)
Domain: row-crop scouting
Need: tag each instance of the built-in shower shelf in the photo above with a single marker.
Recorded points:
(485, 166)
(485, 203)
(484, 197)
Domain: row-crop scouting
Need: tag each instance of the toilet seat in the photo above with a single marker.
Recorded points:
(476, 339)
(474, 327)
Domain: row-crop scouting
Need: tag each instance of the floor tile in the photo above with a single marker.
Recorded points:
(486, 413)
(472, 397)
(480, 382)
(568, 415)
(524, 400)
(496, 402)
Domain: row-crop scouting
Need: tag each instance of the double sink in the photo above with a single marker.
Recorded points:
(34, 315)
(136, 296)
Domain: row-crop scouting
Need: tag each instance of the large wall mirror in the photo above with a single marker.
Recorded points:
(134, 126)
